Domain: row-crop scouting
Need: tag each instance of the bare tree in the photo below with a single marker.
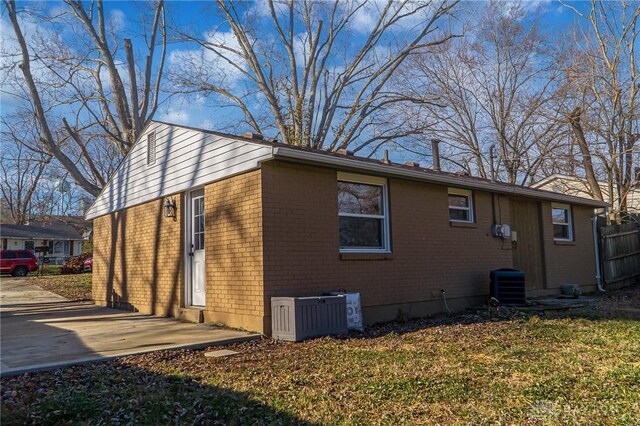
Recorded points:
(602, 86)
(496, 86)
(85, 85)
(21, 173)
(316, 72)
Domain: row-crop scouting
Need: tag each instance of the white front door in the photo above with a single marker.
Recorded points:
(196, 253)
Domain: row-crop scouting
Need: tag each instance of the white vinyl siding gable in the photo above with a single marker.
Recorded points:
(184, 158)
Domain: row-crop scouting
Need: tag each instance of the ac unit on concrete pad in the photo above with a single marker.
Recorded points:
(299, 318)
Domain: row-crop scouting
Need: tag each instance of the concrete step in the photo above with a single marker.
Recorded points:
(191, 314)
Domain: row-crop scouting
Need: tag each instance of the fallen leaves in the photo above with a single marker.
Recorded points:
(520, 369)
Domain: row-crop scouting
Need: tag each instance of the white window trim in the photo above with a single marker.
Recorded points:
(466, 193)
(569, 223)
(377, 181)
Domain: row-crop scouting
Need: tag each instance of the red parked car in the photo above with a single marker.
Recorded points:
(88, 265)
(17, 262)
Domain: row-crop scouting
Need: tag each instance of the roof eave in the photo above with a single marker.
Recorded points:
(284, 153)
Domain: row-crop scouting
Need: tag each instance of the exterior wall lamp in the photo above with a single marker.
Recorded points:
(170, 208)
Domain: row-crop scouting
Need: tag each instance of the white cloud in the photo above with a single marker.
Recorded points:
(206, 124)
(528, 6)
(117, 20)
(366, 17)
(301, 48)
(209, 65)
(364, 20)
(173, 115)
(11, 78)
(260, 8)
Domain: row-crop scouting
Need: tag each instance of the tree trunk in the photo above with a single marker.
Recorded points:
(576, 126)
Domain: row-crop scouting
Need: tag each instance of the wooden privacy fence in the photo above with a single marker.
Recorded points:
(620, 248)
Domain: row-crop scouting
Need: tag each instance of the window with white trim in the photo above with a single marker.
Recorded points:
(562, 222)
(460, 205)
(151, 148)
(363, 213)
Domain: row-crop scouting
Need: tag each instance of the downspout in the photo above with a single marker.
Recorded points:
(597, 251)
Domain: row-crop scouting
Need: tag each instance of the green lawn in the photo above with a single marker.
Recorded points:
(583, 368)
(47, 269)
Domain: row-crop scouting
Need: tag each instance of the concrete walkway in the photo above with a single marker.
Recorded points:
(41, 330)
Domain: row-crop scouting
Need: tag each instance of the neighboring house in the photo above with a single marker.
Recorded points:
(63, 236)
(572, 185)
(256, 219)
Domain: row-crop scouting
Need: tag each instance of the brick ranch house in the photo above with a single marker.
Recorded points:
(256, 219)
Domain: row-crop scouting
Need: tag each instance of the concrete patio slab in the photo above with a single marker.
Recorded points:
(41, 330)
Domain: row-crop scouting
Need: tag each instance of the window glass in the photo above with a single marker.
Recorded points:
(560, 215)
(561, 218)
(29, 245)
(460, 205)
(58, 247)
(359, 198)
(198, 223)
(561, 232)
(362, 217)
(459, 215)
(9, 255)
(458, 201)
(361, 232)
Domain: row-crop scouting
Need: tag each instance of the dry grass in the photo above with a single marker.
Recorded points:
(577, 369)
(73, 286)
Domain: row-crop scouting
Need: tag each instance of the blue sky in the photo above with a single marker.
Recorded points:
(198, 17)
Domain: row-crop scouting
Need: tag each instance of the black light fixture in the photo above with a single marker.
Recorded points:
(170, 208)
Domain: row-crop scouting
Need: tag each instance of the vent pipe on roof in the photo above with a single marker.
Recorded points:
(492, 155)
(385, 158)
(435, 153)
(256, 136)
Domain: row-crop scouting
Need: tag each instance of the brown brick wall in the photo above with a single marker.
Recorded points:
(570, 263)
(137, 260)
(302, 253)
(274, 232)
(131, 244)
(233, 242)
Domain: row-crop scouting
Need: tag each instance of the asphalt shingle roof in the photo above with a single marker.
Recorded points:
(52, 231)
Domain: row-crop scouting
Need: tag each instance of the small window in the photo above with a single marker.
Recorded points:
(460, 205)
(60, 247)
(151, 148)
(30, 245)
(362, 211)
(562, 223)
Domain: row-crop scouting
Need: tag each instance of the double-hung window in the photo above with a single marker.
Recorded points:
(363, 213)
(460, 205)
(562, 222)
